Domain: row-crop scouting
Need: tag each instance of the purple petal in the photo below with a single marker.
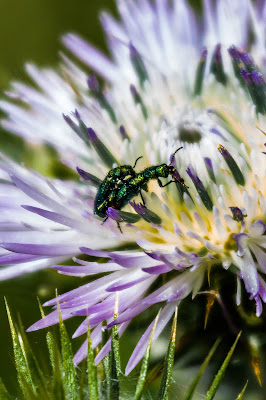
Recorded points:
(113, 214)
(126, 260)
(258, 306)
(106, 348)
(85, 300)
(129, 314)
(257, 228)
(246, 58)
(177, 295)
(123, 132)
(47, 250)
(85, 270)
(259, 254)
(83, 327)
(107, 304)
(143, 304)
(51, 319)
(257, 78)
(234, 53)
(128, 281)
(262, 291)
(157, 270)
(241, 241)
(140, 348)
(195, 179)
(138, 307)
(11, 258)
(249, 274)
(82, 290)
(100, 317)
(208, 163)
(59, 218)
(38, 196)
(92, 57)
(94, 253)
(96, 336)
(132, 261)
(246, 76)
(93, 83)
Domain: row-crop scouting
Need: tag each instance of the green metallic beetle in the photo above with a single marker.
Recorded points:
(124, 190)
(109, 185)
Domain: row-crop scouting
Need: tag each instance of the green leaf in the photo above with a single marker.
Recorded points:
(38, 378)
(115, 364)
(92, 371)
(69, 372)
(55, 360)
(241, 394)
(115, 347)
(195, 382)
(219, 376)
(106, 384)
(3, 392)
(169, 362)
(21, 362)
(145, 363)
(82, 380)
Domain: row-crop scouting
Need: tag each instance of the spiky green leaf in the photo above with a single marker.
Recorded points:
(169, 362)
(3, 392)
(195, 382)
(115, 364)
(55, 360)
(69, 372)
(24, 374)
(106, 383)
(241, 394)
(219, 376)
(36, 371)
(144, 366)
(92, 371)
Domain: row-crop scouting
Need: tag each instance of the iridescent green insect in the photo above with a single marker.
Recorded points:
(124, 191)
(115, 177)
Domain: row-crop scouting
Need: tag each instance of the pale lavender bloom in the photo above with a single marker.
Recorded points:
(170, 84)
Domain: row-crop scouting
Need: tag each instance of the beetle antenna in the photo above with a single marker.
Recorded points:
(175, 154)
(136, 161)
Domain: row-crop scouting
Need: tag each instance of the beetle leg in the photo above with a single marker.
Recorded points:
(143, 201)
(161, 185)
(145, 187)
(136, 161)
(118, 224)
(159, 182)
(119, 227)
(105, 219)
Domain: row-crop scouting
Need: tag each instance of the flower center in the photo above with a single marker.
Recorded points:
(189, 135)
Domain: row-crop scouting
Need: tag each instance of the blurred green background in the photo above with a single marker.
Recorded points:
(30, 30)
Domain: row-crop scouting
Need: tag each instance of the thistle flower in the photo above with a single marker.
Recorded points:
(169, 84)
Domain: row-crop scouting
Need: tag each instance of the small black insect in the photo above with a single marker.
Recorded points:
(121, 191)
